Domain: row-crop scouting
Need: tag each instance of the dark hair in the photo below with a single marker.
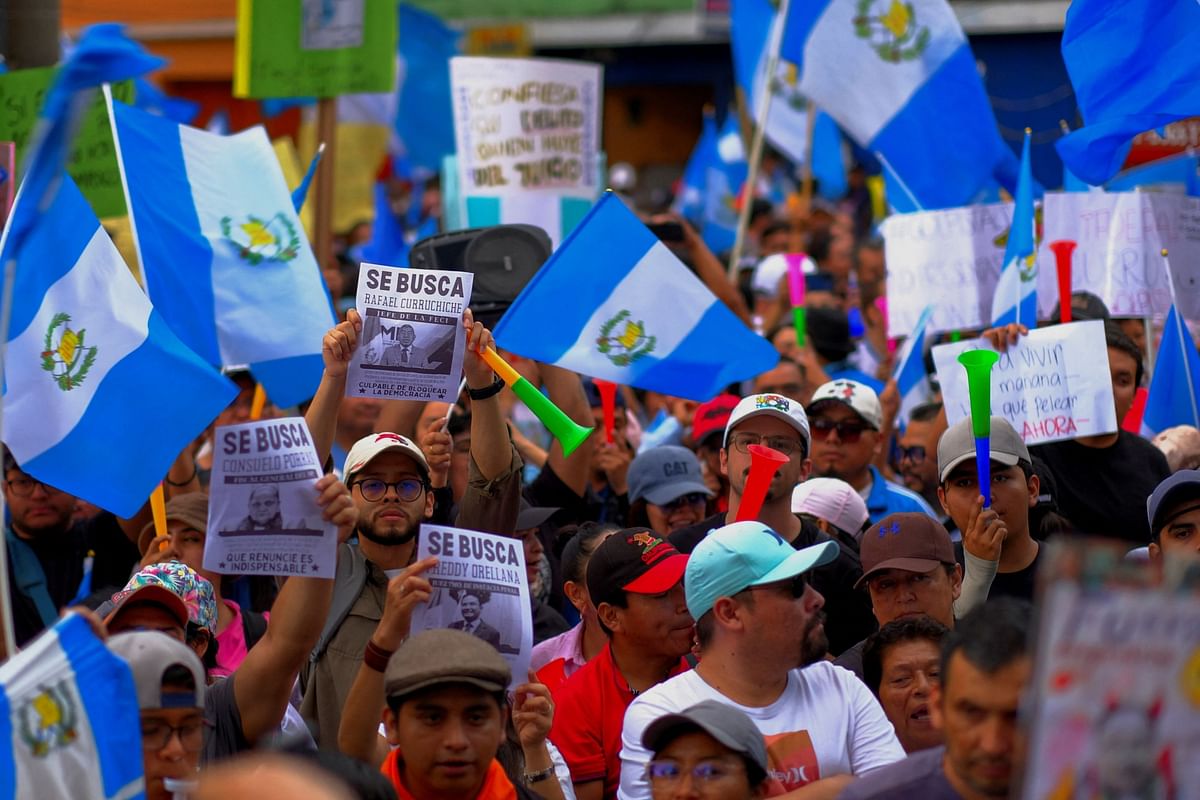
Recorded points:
(779, 226)
(210, 653)
(1117, 339)
(760, 208)
(362, 781)
(926, 412)
(179, 677)
(579, 548)
(10, 463)
(459, 423)
(818, 245)
(394, 702)
(895, 632)
(991, 636)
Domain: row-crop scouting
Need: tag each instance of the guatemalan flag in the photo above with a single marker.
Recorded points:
(69, 721)
(100, 396)
(614, 303)
(1015, 299)
(912, 381)
(225, 258)
(900, 79)
(1175, 386)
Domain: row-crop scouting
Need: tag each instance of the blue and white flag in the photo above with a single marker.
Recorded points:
(1175, 386)
(226, 260)
(724, 182)
(912, 381)
(100, 395)
(1134, 67)
(897, 77)
(69, 720)
(689, 203)
(614, 303)
(1015, 299)
(1176, 169)
(425, 112)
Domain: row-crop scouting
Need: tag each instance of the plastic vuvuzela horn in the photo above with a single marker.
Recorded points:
(978, 364)
(608, 402)
(764, 463)
(569, 433)
(795, 262)
(1062, 256)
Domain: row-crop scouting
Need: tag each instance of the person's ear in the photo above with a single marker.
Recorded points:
(199, 643)
(1035, 488)
(724, 456)
(728, 613)
(941, 492)
(428, 503)
(610, 615)
(1155, 552)
(391, 725)
(805, 470)
(956, 579)
(935, 706)
(577, 594)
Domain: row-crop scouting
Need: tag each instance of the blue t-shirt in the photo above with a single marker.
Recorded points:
(891, 498)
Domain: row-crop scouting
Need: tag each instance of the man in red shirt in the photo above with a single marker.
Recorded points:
(635, 579)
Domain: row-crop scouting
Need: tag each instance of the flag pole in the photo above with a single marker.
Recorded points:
(899, 181)
(806, 173)
(756, 145)
(1184, 341)
(6, 303)
(323, 210)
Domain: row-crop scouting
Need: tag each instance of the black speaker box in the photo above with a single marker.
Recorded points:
(503, 258)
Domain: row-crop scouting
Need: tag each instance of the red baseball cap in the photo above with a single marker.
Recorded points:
(634, 560)
(711, 417)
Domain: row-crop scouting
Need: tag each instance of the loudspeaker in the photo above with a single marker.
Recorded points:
(503, 259)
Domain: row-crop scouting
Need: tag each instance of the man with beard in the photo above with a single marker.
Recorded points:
(388, 476)
(916, 453)
(760, 627)
(847, 420)
(780, 423)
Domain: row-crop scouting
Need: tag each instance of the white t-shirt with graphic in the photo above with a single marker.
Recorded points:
(825, 723)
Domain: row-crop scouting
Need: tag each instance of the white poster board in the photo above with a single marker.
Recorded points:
(1119, 237)
(412, 340)
(263, 517)
(527, 132)
(479, 585)
(1053, 384)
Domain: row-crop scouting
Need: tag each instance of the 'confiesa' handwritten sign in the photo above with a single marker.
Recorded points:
(1053, 384)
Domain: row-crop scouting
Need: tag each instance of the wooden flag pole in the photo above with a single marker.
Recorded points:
(806, 176)
(323, 210)
(756, 146)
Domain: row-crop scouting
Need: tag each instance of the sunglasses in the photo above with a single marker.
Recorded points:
(848, 431)
(693, 499)
(915, 454)
(794, 586)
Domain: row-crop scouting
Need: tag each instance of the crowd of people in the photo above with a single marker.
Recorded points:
(867, 634)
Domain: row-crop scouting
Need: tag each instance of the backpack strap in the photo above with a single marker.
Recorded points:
(348, 583)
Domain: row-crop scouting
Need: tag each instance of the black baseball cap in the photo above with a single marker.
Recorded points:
(634, 560)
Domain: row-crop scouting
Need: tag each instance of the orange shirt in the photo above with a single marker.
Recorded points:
(496, 785)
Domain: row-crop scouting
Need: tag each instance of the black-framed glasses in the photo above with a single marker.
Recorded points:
(915, 453)
(693, 499)
(664, 772)
(23, 487)
(796, 586)
(156, 734)
(784, 444)
(849, 431)
(373, 490)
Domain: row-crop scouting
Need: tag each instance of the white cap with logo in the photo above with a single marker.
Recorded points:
(770, 405)
(370, 446)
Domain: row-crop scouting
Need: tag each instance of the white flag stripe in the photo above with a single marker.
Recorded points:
(640, 293)
(865, 107)
(226, 184)
(98, 288)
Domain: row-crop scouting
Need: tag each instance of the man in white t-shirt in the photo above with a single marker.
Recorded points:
(762, 640)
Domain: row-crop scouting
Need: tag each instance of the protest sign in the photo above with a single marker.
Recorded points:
(8, 179)
(1119, 237)
(412, 341)
(1053, 384)
(527, 133)
(93, 159)
(479, 585)
(1116, 685)
(950, 258)
(314, 48)
(263, 517)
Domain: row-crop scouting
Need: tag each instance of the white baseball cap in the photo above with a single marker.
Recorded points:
(370, 446)
(832, 500)
(771, 405)
(858, 396)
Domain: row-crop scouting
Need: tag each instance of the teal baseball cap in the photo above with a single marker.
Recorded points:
(744, 554)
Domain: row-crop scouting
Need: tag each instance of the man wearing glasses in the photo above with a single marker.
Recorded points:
(780, 423)
(846, 421)
(49, 556)
(761, 631)
(916, 454)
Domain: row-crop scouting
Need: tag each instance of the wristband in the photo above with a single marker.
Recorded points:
(487, 391)
(375, 657)
(170, 482)
(540, 775)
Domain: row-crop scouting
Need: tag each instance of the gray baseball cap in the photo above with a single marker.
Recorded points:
(661, 474)
(149, 655)
(726, 724)
(1162, 505)
(958, 444)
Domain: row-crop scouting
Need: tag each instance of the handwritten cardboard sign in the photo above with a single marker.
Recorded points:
(314, 48)
(1119, 237)
(93, 159)
(1053, 384)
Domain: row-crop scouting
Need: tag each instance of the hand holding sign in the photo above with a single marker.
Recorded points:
(339, 344)
(404, 593)
(337, 506)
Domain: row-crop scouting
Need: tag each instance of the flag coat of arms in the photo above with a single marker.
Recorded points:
(69, 721)
(900, 79)
(614, 303)
(100, 396)
(225, 258)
